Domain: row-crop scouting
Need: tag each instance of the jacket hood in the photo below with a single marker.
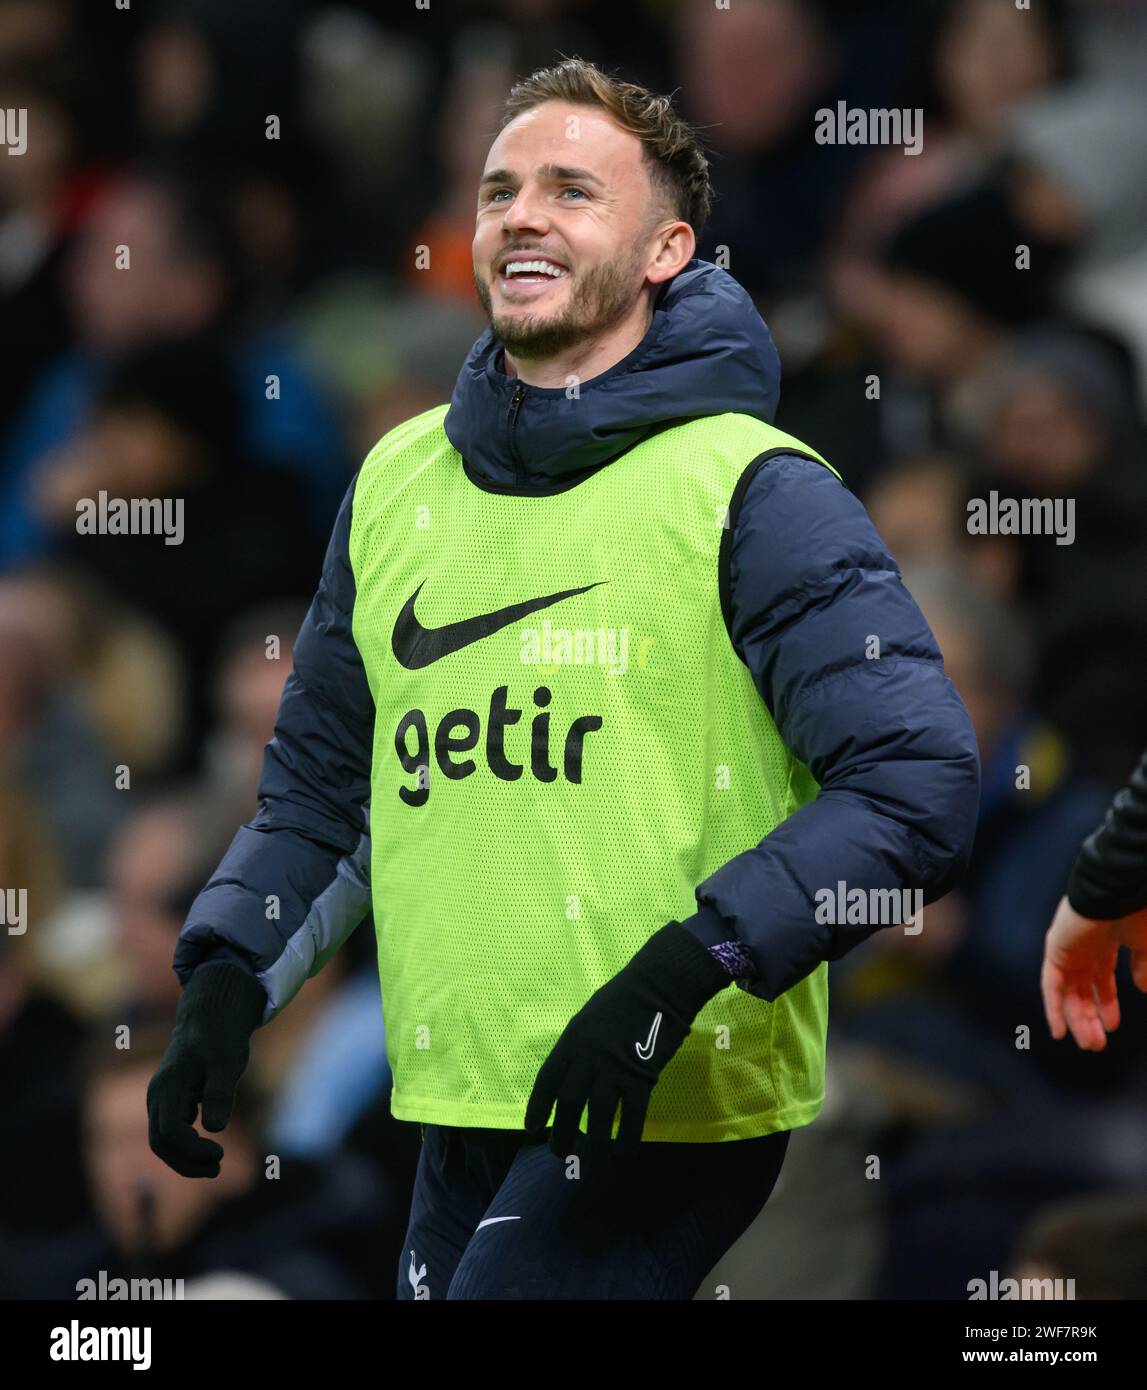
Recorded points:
(707, 352)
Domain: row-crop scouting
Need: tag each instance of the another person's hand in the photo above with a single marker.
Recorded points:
(219, 1009)
(1078, 975)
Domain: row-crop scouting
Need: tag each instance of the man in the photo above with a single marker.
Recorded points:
(587, 640)
(1105, 907)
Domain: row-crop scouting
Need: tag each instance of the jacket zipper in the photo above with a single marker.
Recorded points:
(515, 406)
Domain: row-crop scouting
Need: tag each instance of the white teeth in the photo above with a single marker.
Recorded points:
(533, 268)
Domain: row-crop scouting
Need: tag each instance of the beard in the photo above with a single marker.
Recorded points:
(599, 298)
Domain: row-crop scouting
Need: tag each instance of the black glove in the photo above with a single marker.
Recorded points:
(614, 1047)
(219, 1009)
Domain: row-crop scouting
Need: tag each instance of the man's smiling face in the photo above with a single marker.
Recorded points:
(566, 187)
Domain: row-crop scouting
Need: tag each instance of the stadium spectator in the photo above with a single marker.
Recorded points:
(167, 426)
(181, 281)
(306, 1230)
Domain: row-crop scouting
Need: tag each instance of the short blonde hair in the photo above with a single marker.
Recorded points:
(678, 165)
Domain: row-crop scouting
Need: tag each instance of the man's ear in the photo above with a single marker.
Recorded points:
(674, 247)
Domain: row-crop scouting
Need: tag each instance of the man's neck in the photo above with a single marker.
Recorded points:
(584, 360)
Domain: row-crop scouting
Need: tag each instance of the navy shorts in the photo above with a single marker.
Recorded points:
(496, 1215)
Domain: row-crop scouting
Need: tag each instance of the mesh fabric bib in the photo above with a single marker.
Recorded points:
(566, 745)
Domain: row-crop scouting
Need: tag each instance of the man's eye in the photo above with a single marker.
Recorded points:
(494, 192)
(571, 189)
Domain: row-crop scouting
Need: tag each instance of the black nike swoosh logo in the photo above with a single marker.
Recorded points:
(416, 646)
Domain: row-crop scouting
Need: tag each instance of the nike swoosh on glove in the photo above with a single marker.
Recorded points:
(219, 1009)
(613, 1049)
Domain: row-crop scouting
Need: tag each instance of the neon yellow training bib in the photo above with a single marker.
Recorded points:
(566, 744)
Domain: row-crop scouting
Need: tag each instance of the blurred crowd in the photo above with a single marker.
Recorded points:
(272, 168)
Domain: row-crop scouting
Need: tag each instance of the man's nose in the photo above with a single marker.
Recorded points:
(526, 213)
